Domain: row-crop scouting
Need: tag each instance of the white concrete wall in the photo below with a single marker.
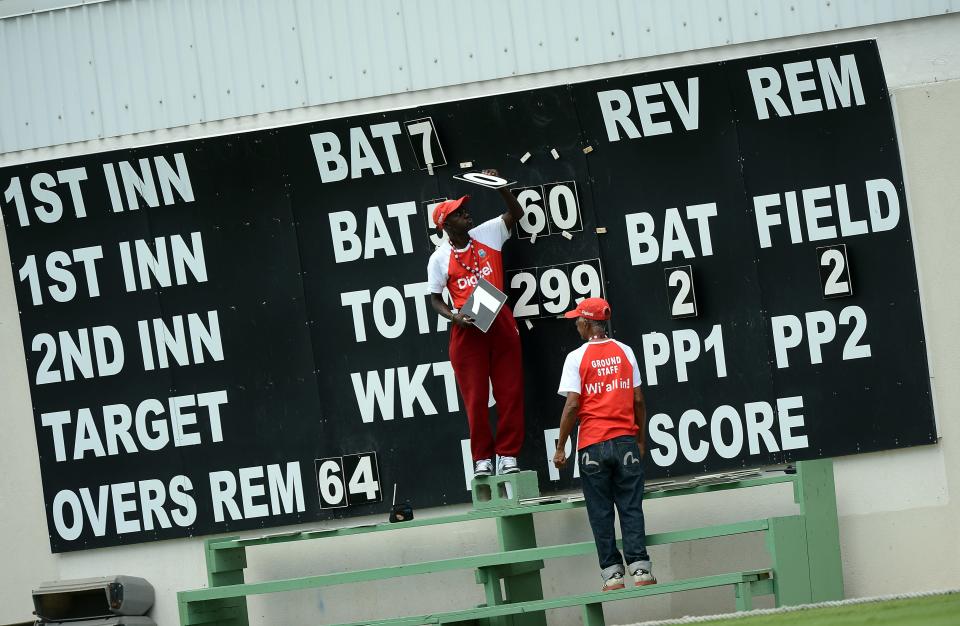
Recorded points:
(898, 520)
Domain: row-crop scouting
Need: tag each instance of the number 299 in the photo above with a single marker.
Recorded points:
(551, 291)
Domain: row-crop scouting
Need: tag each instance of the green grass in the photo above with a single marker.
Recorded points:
(939, 610)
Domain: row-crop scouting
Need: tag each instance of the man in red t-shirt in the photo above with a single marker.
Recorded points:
(601, 380)
(480, 358)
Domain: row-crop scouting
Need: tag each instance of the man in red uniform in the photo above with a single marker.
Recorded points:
(477, 357)
(601, 380)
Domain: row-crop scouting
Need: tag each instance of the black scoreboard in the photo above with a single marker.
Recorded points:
(235, 333)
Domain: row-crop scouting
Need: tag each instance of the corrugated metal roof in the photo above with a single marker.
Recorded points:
(117, 67)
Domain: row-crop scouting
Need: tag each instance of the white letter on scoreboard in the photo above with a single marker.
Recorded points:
(343, 232)
(638, 239)
(767, 93)
(690, 418)
(787, 334)
(874, 189)
(612, 116)
(386, 132)
(842, 83)
(758, 429)
(789, 422)
(765, 220)
(660, 424)
(326, 149)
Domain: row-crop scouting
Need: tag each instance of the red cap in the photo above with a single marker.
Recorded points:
(591, 309)
(445, 208)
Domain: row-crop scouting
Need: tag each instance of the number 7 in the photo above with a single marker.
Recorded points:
(425, 130)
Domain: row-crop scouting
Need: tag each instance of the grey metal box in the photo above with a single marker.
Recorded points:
(93, 598)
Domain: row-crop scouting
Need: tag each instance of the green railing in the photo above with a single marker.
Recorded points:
(804, 552)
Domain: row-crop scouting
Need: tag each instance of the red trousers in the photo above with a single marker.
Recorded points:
(477, 359)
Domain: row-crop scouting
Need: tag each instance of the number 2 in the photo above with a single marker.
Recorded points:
(834, 286)
(529, 283)
(680, 289)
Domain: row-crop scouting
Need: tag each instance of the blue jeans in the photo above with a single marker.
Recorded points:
(611, 473)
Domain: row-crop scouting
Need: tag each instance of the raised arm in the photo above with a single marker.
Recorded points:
(514, 211)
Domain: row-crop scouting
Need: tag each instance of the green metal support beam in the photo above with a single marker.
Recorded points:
(786, 541)
(224, 567)
(516, 533)
(816, 494)
(593, 614)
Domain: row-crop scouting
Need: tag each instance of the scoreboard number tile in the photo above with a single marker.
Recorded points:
(522, 288)
(563, 206)
(555, 289)
(834, 266)
(681, 295)
(425, 143)
(548, 209)
(348, 480)
(363, 487)
(484, 180)
(586, 280)
(534, 222)
(330, 486)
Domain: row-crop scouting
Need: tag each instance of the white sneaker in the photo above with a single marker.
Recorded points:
(507, 465)
(642, 577)
(613, 583)
(483, 467)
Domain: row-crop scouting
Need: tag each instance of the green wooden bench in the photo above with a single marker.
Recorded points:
(747, 584)
(804, 552)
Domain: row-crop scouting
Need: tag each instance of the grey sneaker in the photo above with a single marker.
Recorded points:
(613, 583)
(507, 465)
(483, 467)
(642, 575)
